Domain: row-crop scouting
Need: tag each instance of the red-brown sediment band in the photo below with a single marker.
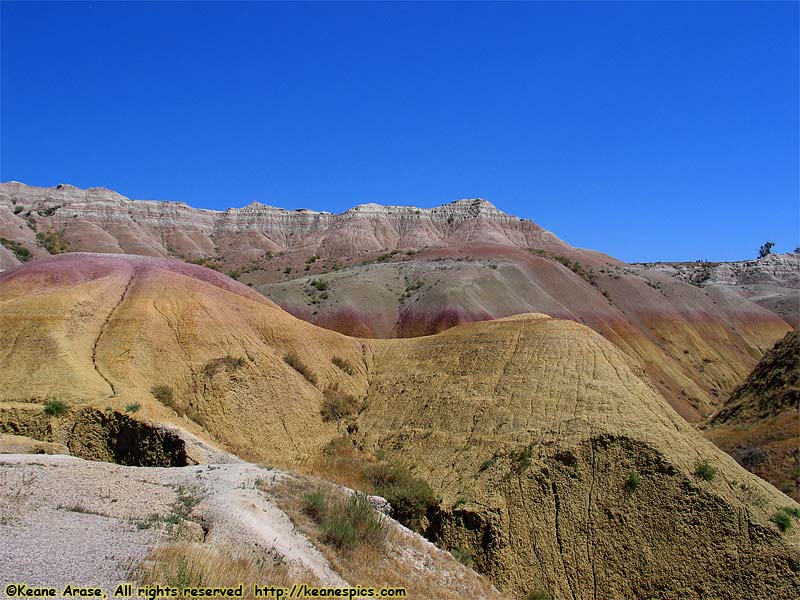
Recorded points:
(78, 267)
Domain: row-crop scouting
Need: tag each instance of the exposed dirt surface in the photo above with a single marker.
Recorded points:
(529, 428)
(66, 520)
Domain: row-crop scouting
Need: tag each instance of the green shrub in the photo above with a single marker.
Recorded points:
(52, 241)
(338, 404)
(343, 365)
(235, 273)
(312, 259)
(20, 251)
(521, 459)
(294, 361)
(411, 498)
(783, 517)
(132, 408)
(55, 408)
(705, 471)
(462, 555)
(319, 284)
(163, 393)
(633, 482)
(287, 270)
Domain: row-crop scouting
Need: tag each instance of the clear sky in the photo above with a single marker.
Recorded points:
(645, 130)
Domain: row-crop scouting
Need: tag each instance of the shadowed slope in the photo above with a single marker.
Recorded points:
(529, 427)
(759, 425)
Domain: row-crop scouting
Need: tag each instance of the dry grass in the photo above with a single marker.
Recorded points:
(186, 564)
(401, 559)
(338, 404)
(411, 498)
(293, 360)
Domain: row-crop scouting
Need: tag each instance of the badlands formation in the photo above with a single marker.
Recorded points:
(557, 465)
(399, 271)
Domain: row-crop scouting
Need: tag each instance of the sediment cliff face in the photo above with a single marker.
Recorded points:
(389, 271)
(100, 220)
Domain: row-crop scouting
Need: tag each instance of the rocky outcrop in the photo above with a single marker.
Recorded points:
(100, 220)
(772, 281)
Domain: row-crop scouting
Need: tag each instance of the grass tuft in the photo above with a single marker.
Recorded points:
(783, 517)
(294, 361)
(132, 408)
(55, 408)
(338, 405)
(462, 555)
(705, 471)
(347, 523)
(343, 365)
(163, 393)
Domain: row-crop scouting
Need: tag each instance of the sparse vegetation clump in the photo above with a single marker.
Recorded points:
(345, 523)
(338, 405)
(411, 498)
(55, 408)
(226, 363)
(163, 393)
(343, 364)
(462, 555)
(783, 517)
(52, 241)
(633, 482)
(208, 262)
(315, 504)
(521, 459)
(387, 256)
(20, 251)
(573, 265)
(319, 284)
(132, 408)
(705, 471)
(294, 361)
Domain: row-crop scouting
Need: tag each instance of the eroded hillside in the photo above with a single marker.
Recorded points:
(759, 425)
(558, 466)
(397, 271)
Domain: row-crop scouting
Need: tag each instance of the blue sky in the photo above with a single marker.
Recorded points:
(645, 130)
